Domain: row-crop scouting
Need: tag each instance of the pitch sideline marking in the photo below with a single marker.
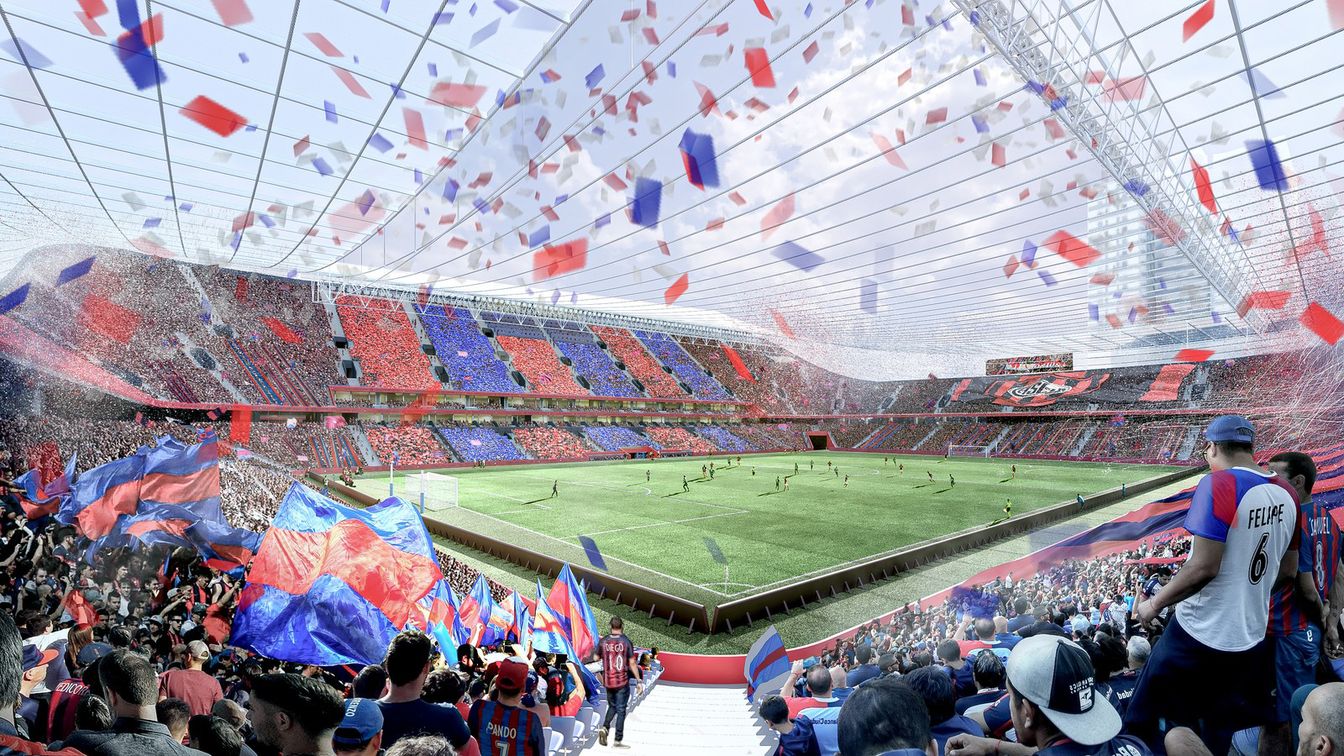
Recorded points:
(665, 522)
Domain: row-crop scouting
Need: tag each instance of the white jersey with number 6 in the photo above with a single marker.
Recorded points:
(1255, 515)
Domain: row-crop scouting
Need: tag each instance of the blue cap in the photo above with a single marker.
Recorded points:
(363, 719)
(1230, 428)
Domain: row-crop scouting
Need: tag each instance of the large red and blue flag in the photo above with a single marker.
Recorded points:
(444, 621)
(569, 601)
(184, 475)
(767, 664)
(548, 634)
(520, 625)
(478, 611)
(103, 494)
(333, 584)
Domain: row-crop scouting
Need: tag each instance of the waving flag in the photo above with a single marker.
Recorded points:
(478, 611)
(103, 494)
(444, 620)
(569, 601)
(222, 546)
(333, 584)
(767, 665)
(548, 634)
(184, 475)
(520, 625)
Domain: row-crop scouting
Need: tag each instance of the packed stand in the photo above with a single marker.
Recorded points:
(593, 363)
(629, 350)
(273, 326)
(537, 361)
(756, 390)
(549, 442)
(679, 439)
(899, 435)
(666, 349)
(465, 352)
(614, 437)
(382, 339)
(479, 444)
(408, 444)
(767, 436)
(848, 433)
(1132, 438)
(724, 439)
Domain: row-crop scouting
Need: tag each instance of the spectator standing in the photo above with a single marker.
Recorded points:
(361, 730)
(11, 673)
(795, 734)
(130, 687)
(963, 679)
(404, 712)
(1244, 527)
(619, 665)
(213, 735)
(501, 725)
(819, 688)
(944, 721)
(236, 716)
(866, 670)
(174, 714)
(1024, 615)
(1298, 615)
(885, 718)
(189, 683)
(294, 714)
(989, 674)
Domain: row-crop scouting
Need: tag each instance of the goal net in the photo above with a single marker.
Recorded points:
(967, 451)
(432, 491)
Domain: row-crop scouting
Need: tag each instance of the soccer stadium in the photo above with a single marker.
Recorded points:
(539, 377)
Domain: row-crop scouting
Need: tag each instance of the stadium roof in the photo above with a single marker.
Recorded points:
(962, 178)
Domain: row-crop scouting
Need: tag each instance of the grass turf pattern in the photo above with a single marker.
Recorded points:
(649, 530)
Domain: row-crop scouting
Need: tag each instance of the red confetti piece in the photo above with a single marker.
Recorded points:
(708, 103)
(321, 42)
(1114, 321)
(782, 211)
(998, 155)
(213, 116)
(301, 146)
(1164, 226)
(1323, 323)
(662, 247)
(415, 128)
(714, 225)
(905, 76)
(615, 182)
(811, 52)
(1102, 279)
(351, 83)
(1336, 9)
(737, 199)
(93, 8)
(677, 288)
(1010, 267)
(150, 31)
(549, 262)
(783, 324)
(1073, 249)
(650, 35)
(937, 115)
(758, 64)
(888, 151)
(1263, 300)
(764, 11)
(907, 15)
(1125, 89)
(89, 24)
(1196, 21)
(233, 12)
(1202, 186)
(1193, 355)
(1052, 126)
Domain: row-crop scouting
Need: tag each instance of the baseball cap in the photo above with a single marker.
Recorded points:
(198, 650)
(92, 653)
(1230, 428)
(363, 719)
(1056, 674)
(33, 657)
(512, 675)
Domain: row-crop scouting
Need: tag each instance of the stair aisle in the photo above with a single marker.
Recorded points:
(677, 719)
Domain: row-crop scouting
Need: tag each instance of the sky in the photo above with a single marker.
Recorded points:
(893, 194)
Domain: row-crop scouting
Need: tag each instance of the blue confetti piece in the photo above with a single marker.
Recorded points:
(237, 240)
(981, 124)
(1036, 87)
(715, 552)
(433, 69)
(591, 550)
(152, 223)
(1133, 315)
(540, 236)
(128, 14)
(330, 108)
(293, 272)
(573, 297)
(980, 78)
(396, 92)
(266, 220)
(1028, 253)
(13, 299)
(507, 5)
(441, 19)
(602, 220)
(1136, 187)
(185, 207)
(139, 62)
(380, 142)
(74, 271)
(386, 4)
(450, 188)
(1162, 283)
(1093, 312)
(1262, 86)
(1048, 279)
(671, 69)
(1058, 103)
(321, 166)
(481, 205)
(594, 76)
(644, 211)
(697, 152)
(868, 295)
(798, 256)
(418, 177)
(484, 33)
(1167, 308)
(807, 11)
(1216, 317)
(1268, 170)
(251, 127)
(30, 55)
(243, 57)
(975, 18)
(561, 198)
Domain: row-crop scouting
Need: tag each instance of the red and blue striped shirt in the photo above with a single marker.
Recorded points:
(505, 730)
(1318, 555)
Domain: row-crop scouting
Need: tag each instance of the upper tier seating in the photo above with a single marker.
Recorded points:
(382, 339)
(465, 352)
(537, 361)
(725, 439)
(414, 445)
(666, 349)
(641, 364)
(679, 438)
(757, 390)
(614, 437)
(593, 362)
(305, 445)
(549, 442)
(474, 444)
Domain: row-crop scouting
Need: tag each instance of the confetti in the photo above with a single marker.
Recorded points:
(1262, 86)
(889, 151)
(783, 324)
(998, 155)
(455, 95)
(330, 108)
(1263, 300)
(595, 76)
(139, 61)
(561, 258)
(1126, 89)
(1193, 355)
(415, 128)
(1196, 21)
(648, 199)
(350, 82)
(1048, 279)
(1202, 186)
(1323, 323)
(1102, 279)
(1268, 170)
(213, 116)
(484, 33)
(781, 212)
(798, 256)
(321, 42)
(380, 142)
(810, 52)
(1010, 267)
(1029, 253)
(758, 64)
(937, 115)
(13, 299)
(678, 287)
(1073, 249)
(25, 53)
(697, 155)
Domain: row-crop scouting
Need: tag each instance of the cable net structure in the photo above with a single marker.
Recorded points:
(890, 188)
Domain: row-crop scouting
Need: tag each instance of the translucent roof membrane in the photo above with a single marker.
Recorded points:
(967, 178)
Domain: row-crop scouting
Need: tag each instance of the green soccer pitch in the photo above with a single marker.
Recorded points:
(648, 530)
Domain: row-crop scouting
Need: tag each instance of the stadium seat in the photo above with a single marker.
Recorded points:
(565, 726)
(537, 361)
(382, 339)
(465, 352)
(639, 362)
(553, 741)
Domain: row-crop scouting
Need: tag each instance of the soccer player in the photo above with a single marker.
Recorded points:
(837, 471)
(786, 484)
(685, 487)
(646, 476)
(1212, 670)
(555, 488)
(1014, 472)
(711, 472)
(776, 482)
(846, 481)
(952, 482)
(704, 470)
(901, 468)
(811, 464)
(795, 468)
(828, 464)
(1298, 609)
(753, 471)
(1008, 510)
(930, 472)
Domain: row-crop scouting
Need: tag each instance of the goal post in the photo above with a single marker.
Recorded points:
(432, 491)
(961, 450)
